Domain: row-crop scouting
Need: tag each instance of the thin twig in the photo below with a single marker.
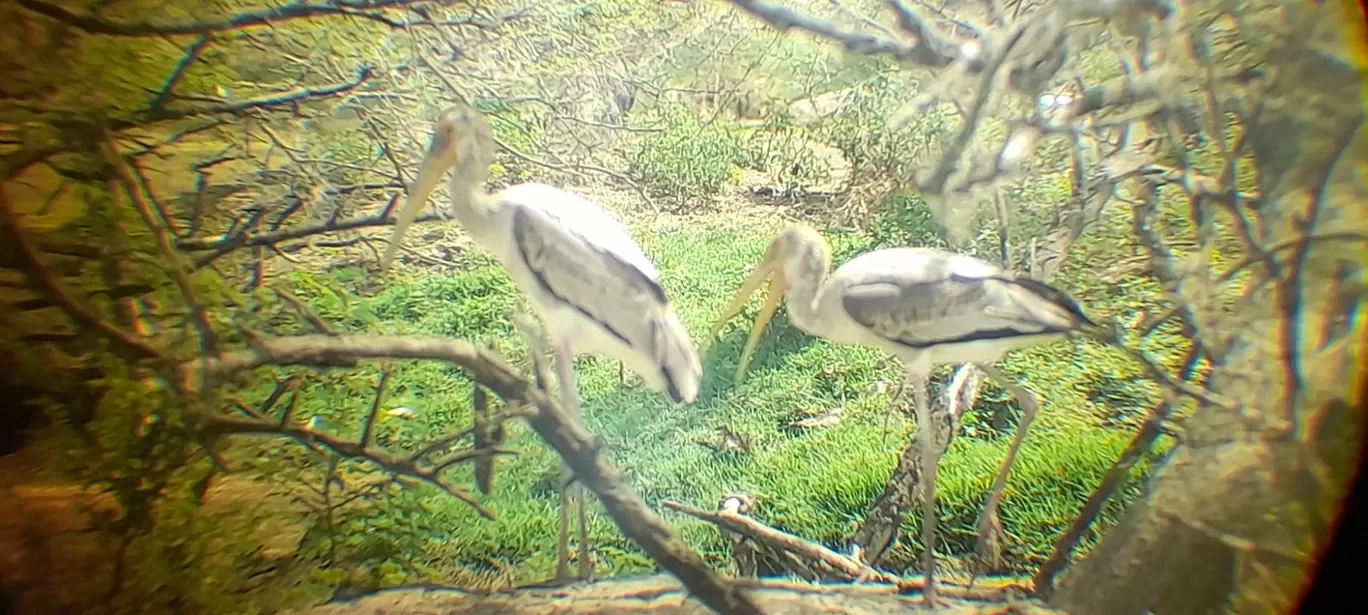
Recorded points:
(741, 524)
(738, 523)
(198, 315)
(1064, 547)
(368, 428)
(192, 54)
(304, 311)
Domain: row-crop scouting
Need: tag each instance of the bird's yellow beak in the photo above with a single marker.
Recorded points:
(769, 268)
(441, 155)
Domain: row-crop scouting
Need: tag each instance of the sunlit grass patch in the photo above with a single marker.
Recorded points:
(816, 483)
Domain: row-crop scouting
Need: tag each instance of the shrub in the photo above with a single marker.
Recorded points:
(689, 160)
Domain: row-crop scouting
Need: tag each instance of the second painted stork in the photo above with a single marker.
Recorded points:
(926, 307)
(592, 285)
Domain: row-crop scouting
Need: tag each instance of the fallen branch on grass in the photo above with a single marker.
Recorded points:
(837, 565)
(825, 559)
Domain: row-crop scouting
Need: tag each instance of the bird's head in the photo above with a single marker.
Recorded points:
(793, 253)
(462, 138)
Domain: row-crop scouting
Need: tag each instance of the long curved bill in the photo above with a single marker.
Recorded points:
(439, 158)
(768, 267)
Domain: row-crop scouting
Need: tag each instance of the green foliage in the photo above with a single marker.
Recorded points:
(689, 160)
(861, 131)
(362, 530)
(906, 220)
(521, 132)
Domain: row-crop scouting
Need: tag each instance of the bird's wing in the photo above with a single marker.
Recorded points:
(586, 258)
(920, 298)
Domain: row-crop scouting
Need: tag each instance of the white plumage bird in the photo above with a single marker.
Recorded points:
(924, 306)
(593, 286)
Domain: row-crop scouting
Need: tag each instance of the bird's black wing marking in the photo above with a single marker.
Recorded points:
(921, 314)
(1054, 295)
(594, 282)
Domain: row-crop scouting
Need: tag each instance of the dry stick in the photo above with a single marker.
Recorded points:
(238, 21)
(368, 428)
(283, 292)
(575, 445)
(1156, 372)
(930, 50)
(223, 246)
(484, 471)
(145, 188)
(192, 55)
(42, 281)
(264, 239)
(32, 153)
(951, 160)
(741, 524)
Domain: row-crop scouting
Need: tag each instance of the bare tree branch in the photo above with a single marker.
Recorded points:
(575, 445)
(399, 466)
(929, 50)
(192, 54)
(265, 17)
(117, 169)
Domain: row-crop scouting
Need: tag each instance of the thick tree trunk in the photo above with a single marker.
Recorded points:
(1236, 520)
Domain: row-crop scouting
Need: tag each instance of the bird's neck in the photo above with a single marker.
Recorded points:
(807, 279)
(470, 204)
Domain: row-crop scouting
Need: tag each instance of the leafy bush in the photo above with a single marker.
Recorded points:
(687, 161)
(906, 220)
(784, 151)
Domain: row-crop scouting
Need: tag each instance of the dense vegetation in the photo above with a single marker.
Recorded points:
(264, 154)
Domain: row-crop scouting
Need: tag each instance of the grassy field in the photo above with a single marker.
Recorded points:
(815, 483)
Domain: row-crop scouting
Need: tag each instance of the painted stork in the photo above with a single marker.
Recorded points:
(593, 287)
(922, 305)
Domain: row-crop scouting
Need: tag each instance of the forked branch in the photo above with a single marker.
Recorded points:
(575, 444)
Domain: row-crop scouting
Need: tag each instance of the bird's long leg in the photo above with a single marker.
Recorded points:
(563, 529)
(586, 561)
(532, 333)
(930, 457)
(571, 493)
(892, 406)
(989, 527)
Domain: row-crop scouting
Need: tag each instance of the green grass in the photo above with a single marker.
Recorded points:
(815, 484)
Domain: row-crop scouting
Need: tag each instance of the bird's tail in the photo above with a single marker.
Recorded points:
(677, 358)
(1057, 309)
